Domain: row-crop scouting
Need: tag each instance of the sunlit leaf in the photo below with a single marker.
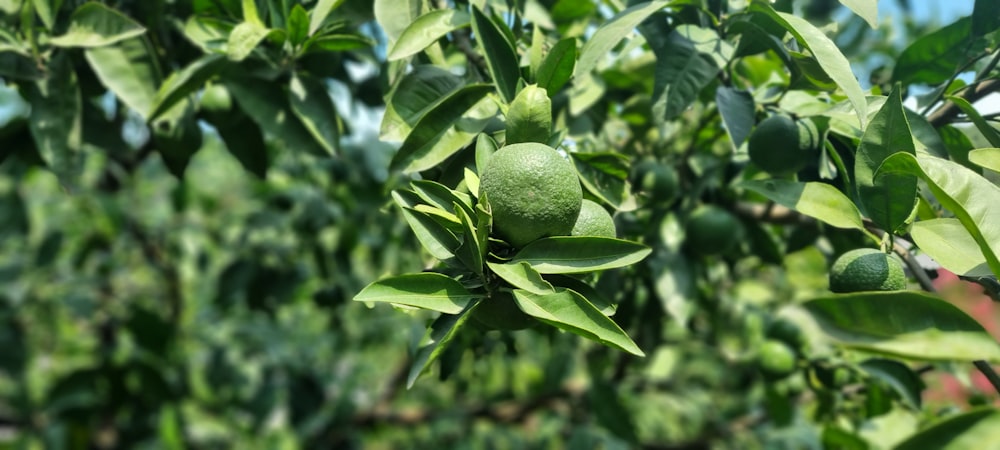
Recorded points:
(888, 200)
(425, 290)
(960, 431)
(611, 32)
(95, 25)
(500, 56)
(572, 312)
(820, 201)
(577, 254)
(988, 158)
(426, 30)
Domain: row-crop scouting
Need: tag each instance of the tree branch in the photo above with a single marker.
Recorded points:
(948, 110)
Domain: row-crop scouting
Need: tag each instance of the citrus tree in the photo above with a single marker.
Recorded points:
(481, 224)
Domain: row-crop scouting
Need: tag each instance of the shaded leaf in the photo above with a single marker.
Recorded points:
(611, 32)
(471, 251)
(888, 201)
(984, 17)
(438, 336)
(522, 276)
(557, 67)
(96, 25)
(425, 290)
(413, 95)
(501, 59)
(320, 12)
(56, 117)
(570, 311)
(426, 30)
(681, 73)
(961, 431)
(899, 376)
(982, 125)
(272, 113)
(933, 57)
(311, 103)
(129, 70)
(737, 110)
(577, 254)
(185, 82)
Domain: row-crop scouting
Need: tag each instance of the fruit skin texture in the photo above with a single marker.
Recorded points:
(656, 180)
(534, 192)
(781, 146)
(500, 312)
(712, 230)
(776, 359)
(866, 269)
(594, 220)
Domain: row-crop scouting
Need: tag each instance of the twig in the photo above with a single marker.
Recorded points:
(990, 374)
(949, 110)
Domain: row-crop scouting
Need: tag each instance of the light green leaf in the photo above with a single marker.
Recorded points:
(522, 276)
(557, 67)
(413, 95)
(47, 10)
(96, 25)
(610, 33)
(599, 300)
(436, 238)
(888, 201)
(56, 121)
(244, 39)
(485, 148)
(569, 311)
(181, 84)
(438, 336)
(320, 12)
(395, 15)
(471, 181)
(972, 198)
(426, 30)
(957, 432)
(129, 70)
(501, 59)
(250, 13)
(904, 324)
(578, 254)
(988, 158)
(312, 104)
(820, 201)
(427, 290)
(529, 118)
(297, 25)
(947, 241)
(336, 43)
(439, 195)
(866, 9)
(272, 113)
(982, 125)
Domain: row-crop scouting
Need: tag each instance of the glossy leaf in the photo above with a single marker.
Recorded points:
(414, 94)
(311, 103)
(128, 70)
(599, 300)
(557, 68)
(572, 312)
(471, 252)
(320, 12)
(933, 57)
(522, 276)
(988, 158)
(439, 195)
(96, 25)
(438, 336)
(244, 39)
(395, 15)
(611, 32)
(899, 376)
(181, 84)
(47, 10)
(966, 430)
(501, 59)
(984, 17)
(682, 71)
(904, 324)
(820, 201)
(947, 241)
(866, 9)
(889, 200)
(578, 254)
(438, 241)
(529, 117)
(965, 193)
(426, 290)
(426, 30)
(272, 113)
(982, 125)
(737, 110)
(297, 27)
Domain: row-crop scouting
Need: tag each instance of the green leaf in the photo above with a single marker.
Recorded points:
(985, 19)
(820, 201)
(529, 118)
(272, 113)
(611, 32)
(595, 298)
(426, 30)
(180, 85)
(522, 276)
(568, 310)
(244, 39)
(957, 144)
(250, 13)
(932, 58)
(866, 9)
(427, 290)
(311, 103)
(682, 71)
(472, 251)
(438, 336)
(982, 125)
(395, 15)
(578, 254)
(413, 95)
(557, 67)
(737, 109)
(96, 25)
(888, 201)
(904, 324)
(485, 148)
(47, 10)
(18, 66)
(972, 198)
(438, 241)
(947, 241)
(320, 12)
(297, 25)
(336, 43)
(962, 431)
(420, 152)
(56, 118)
(833, 62)
(899, 376)
(129, 70)
(245, 140)
(439, 195)
(988, 158)
(501, 59)
(177, 136)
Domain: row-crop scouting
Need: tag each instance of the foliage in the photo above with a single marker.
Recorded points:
(192, 192)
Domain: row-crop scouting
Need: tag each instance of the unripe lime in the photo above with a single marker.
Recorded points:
(781, 146)
(776, 359)
(866, 269)
(712, 230)
(534, 192)
(594, 220)
(656, 180)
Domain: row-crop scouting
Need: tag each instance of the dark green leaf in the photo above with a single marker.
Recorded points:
(297, 25)
(577, 254)
(56, 117)
(557, 67)
(611, 32)
(96, 25)
(438, 336)
(889, 200)
(426, 30)
(957, 144)
(933, 57)
(181, 84)
(129, 70)
(272, 113)
(903, 324)
(18, 66)
(968, 430)
(737, 110)
(425, 290)
(603, 399)
(245, 140)
(472, 251)
(337, 43)
(47, 10)
(177, 136)
(982, 125)
(835, 437)
(568, 310)
(499, 53)
(681, 73)
(311, 103)
(413, 95)
(899, 376)
(984, 17)
(820, 201)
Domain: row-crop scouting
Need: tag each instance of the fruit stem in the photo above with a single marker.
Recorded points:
(990, 374)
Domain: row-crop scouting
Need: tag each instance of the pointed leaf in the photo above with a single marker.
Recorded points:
(272, 113)
(471, 252)
(682, 71)
(737, 110)
(866, 9)
(413, 95)
(932, 58)
(599, 300)
(438, 241)
(557, 67)
(982, 125)
(972, 198)
(610, 33)
(568, 310)
(578, 254)
(988, 158)
(244, 39)
(985, 19)
(181, 84)
(96, 25)
(128, 70)
(395, 15)
(47, 10)
(888, 201)
(320, 12)
(439, 195)
(958, 432)
(820, 201)
(947, 241)
(904, 324)
(425, 290)
(297, 26)
(899, 376)
(337, 43)
(312, 104)
(522, 276)
(438, 336)
(501, 59)
(426, 30)
(245, 140)
(529, 118)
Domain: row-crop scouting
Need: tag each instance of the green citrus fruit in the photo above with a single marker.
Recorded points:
(533, 191)
(594, 220)
(781, 146)
(866, 269)
(775, 359)
(215, 99)
(786, 331)
(500, 312)
(712, 230)
(656, 180)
